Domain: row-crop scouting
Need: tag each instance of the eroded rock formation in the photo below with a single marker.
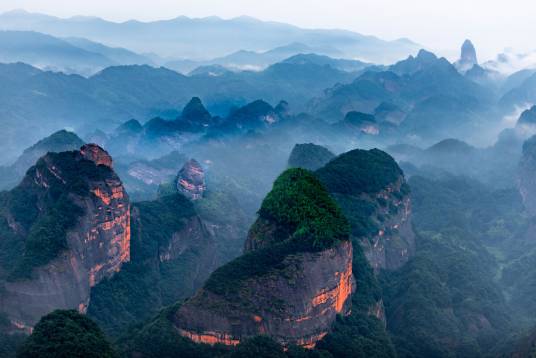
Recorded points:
(94, 245)
(292, 281)
(527, 176)
(468, 57)
(96, 154)
(373, 194)
(394, 242)
(191, 180)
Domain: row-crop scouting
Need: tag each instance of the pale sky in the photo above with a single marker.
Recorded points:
(440, 25)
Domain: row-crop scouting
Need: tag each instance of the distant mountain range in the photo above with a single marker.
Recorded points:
(73, 55)
(424, 95)
(252, 60)
(210, 37)
(82, 56)
(34, 103)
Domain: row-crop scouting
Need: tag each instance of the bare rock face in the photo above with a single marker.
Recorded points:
(191, 180)
(468, 57)
(373, 194)
(294, 279)
(468, 53)
(296, 305)
(96, 243)
(391, 246)
(96, 154)
(527, 176)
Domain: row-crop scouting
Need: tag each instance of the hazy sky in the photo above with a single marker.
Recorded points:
(441, 25)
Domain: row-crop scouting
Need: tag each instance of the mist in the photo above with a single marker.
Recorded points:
(339, 179)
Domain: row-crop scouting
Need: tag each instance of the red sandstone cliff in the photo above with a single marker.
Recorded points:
(294, 279)
(191, 180)
(98, 243)
(295, 305)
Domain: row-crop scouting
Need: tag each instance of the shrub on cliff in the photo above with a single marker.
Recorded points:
(306, 218)
(300, 204)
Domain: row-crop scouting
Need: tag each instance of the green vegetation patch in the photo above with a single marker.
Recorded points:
(360, 171)
(66, 334)
(309, 156)
(299, 205)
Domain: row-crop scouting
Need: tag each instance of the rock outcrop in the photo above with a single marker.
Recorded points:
(173, 252)
(96, 154)
(468, 57)
(191, 180)
(69, 220)
(293, 280)
(373, 194)
(359, 123)
(527, 176)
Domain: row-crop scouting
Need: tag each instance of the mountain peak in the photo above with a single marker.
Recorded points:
(425, 55)
(309, 156)
(299, 236)
(196, 111)
(468, 57)
(468, 53)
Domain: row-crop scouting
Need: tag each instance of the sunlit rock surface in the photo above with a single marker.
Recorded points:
(97, 245)
(284, 286)
(191, 180)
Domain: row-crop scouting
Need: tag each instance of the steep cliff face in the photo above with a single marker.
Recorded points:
(468, 58)
(373, 194)
(191, 180)
(73, 232)
(293, 280)
(172, 254)
(527, 177)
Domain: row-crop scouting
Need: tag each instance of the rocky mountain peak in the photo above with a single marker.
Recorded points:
(96, 154)
(191, 180)
(468, 57)
(73, 233)
(300, 237)
(468, 53)
(59, 141)
(426, 56)
(372, 179)
(412, 64)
